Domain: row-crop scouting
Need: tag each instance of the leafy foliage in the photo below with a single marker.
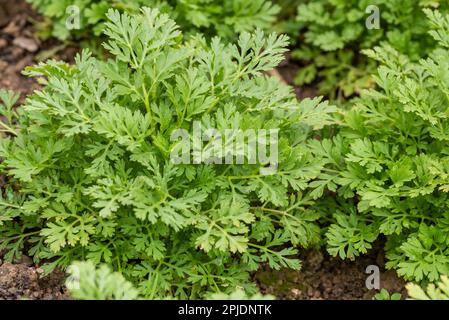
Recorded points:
(335, 31)
(239, 294)
(212, 17)
(8, 99)
(90, 156)
(388, 166)
(440, 291)
(86, 282)
(385, 295)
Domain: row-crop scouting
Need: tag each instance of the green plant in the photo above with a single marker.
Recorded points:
(440, 291)
(8, 100)
(90, 158)
(87, 282)
(389, 164)
(335, 31)
(239, 294)
(385, 295)
(225, 18)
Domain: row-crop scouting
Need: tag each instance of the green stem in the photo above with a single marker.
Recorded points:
(10, 205)
(8, 128)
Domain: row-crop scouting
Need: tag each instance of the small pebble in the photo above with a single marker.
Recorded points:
(3, 43)
(12, 28)
(26, 43)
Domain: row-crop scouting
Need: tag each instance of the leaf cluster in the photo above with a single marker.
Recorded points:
(388, 165)
(438, 291)
(90, 155)
(335, 31)
(224, 18)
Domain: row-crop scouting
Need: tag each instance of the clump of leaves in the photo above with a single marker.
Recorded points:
(438, 291)
(8, 100)
(385, 295)
(336, 30)
(391, 161)
(88, 282)
(239, 294)
(91, 157)
(224, 18)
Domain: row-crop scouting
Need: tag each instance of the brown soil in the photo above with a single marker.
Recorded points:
(287, 71)
(19, 47)
(326, 277)
(24, 281)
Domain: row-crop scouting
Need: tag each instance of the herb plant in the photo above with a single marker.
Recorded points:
(224, 18)
(88, 282)
(438, 291)
(334, 32)
(89, 160)
(388, 166)
(385, 295)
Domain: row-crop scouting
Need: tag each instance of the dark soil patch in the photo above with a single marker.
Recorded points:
(326, 277)
(24, 281)
(288, 70)
(20, 48)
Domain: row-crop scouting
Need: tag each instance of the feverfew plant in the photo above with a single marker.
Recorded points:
(437, 291)
(88, 282)
(391, 161)
(89, 158)
(224, 18)
(334, 32)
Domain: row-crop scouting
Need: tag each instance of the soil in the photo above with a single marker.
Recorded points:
(19, 47)
(24, 281)
(321, 277)
(288, 70)
(326, 277)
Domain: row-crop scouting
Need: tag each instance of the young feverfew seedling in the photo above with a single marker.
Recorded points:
(437, 291)
(335, 31)
(389, 164)
(8, 99)
(225, 18)
(91, 160)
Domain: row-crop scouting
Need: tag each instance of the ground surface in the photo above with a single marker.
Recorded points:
(325, 277)
(23, 281)
(321, 277)
(20, 48)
